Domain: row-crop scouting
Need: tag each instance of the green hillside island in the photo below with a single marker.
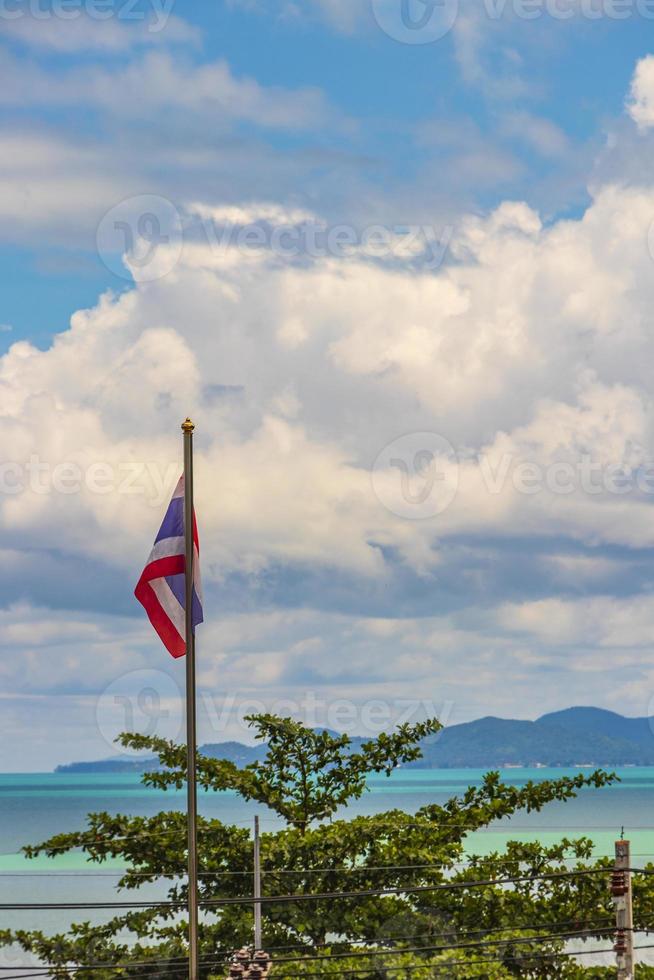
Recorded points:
(573, 737)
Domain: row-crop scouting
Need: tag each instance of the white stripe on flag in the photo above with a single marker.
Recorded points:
(167, 548)
(169, 604)
(197, 578)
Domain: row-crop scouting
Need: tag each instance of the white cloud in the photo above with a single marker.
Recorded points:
(467, 353)
(475, 37)
(345, 671)
(57, 186)
(257, 211)
(531, 344)
(604, 622)
(641, 97)
(84, 33)
(473, 157)
(167, 83)
(343, 15)
(541, 134)
(46, 651)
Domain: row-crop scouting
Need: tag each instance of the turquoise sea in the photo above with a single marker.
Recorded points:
(35, 806)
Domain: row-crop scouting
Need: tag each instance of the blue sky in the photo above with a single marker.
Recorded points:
(424, 464)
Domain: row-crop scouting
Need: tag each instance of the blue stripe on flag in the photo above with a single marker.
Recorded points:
(198, 614)
(173, 522)
(177, 584)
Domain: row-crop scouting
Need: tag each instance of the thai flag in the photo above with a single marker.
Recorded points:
(162, 587)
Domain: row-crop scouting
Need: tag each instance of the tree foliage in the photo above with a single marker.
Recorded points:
(306, 775)
(435, 920)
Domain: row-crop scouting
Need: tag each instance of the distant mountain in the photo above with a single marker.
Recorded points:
(575, 736)
(236, 752)
(607, 723)
(118, 763)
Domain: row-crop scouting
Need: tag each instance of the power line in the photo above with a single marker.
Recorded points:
(445, 948)
(292, 871)
(409, 889)
(446, 965)
(481, 961)
(321, 896)
(399, 951)
(594, 926)
(581, 931)
(463, 933)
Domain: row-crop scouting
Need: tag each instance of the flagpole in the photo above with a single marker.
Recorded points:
(192, 804)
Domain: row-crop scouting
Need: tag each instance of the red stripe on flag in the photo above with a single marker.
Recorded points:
(173, 642)
(162, 567)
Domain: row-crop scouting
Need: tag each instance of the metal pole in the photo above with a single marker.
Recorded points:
(623, 911)
(257, 886)
(192, 803)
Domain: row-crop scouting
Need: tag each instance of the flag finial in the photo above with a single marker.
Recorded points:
(188, 426)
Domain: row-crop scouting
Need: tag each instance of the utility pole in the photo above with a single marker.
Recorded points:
(621, 891)
(257, 886)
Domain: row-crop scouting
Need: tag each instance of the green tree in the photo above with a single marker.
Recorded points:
(307, 778)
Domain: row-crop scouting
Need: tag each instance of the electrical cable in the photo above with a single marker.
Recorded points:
(321, 896)
(594, 928)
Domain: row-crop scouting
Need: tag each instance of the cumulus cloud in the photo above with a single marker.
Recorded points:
(527, 351)
(285, 472)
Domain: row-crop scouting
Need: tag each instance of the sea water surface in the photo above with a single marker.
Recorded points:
(33, 807)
